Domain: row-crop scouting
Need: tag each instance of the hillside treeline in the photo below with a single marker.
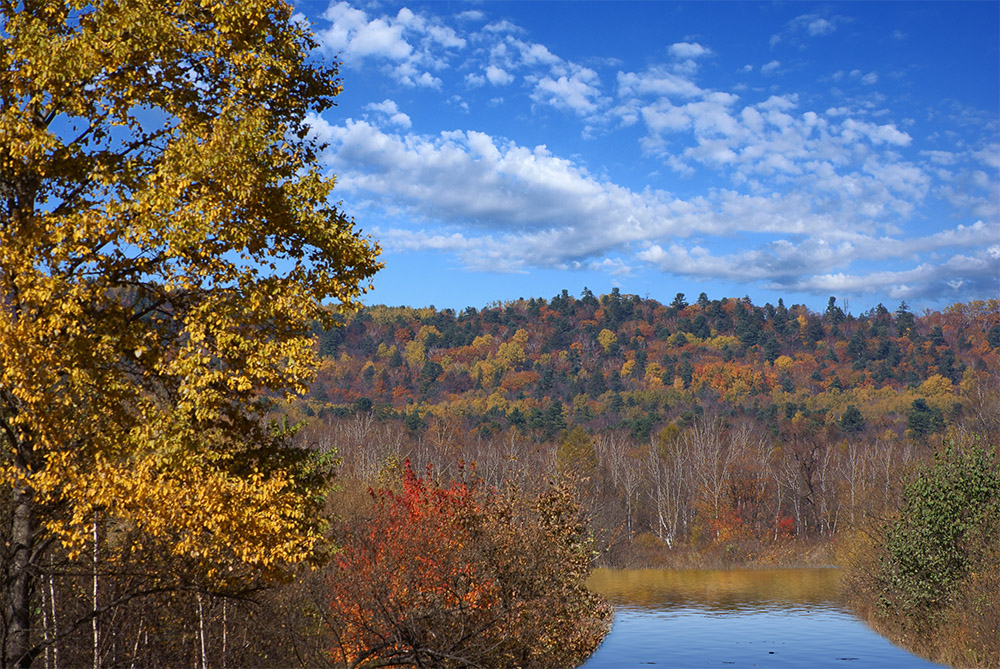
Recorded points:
(717, 423)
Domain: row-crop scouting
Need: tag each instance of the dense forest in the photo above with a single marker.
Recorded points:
(715, 423)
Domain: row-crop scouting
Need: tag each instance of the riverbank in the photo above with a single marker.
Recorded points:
(963, 633)
(647, 551)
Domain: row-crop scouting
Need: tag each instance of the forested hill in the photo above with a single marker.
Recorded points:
(624, 363)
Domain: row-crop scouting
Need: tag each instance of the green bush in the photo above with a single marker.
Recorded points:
(930, 579)
(947, 523)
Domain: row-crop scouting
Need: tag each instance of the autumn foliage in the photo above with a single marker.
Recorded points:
(720, 425)
(166, 244)
(458, 574)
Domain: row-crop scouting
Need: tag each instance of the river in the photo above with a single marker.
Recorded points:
(765, 618)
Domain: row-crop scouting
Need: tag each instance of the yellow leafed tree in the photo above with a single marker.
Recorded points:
(165, 244)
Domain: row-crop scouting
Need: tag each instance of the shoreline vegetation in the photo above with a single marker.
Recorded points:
(647, 553)
(928, 579)
(455, 573)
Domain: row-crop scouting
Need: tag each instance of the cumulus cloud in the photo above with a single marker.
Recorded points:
(656, 81)
(834, 191)
(811, 266)
(517, 207)
(814, 25)
(688, 50)
(578, 91)
(503, 26)
(408, 44)
(470, 176)
(957, 276)
(389, 110)
(498, 76)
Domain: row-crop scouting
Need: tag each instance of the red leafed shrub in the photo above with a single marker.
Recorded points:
(785, 527)
(458, 575)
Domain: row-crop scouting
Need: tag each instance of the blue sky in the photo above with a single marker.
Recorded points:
(796, 150)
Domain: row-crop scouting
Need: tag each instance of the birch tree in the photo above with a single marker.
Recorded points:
(165, 242)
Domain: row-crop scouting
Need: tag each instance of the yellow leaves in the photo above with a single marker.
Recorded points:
(722, 341)
(511, 353)
(784, 364)
(427, 331)
(936, 385)
(606, 338)
(414, 352)
(193, 506)
(171, 277)
(482, 344)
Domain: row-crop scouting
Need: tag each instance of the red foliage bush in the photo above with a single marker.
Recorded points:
(458, 575)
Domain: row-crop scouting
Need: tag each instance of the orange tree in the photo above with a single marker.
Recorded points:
(461, 575)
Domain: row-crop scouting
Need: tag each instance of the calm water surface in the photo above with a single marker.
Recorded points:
(774, 618)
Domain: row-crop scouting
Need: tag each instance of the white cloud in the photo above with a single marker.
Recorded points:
(686, 50)
(989, 156)
(498, 76)
(810, 266)
(579, 91)
(940, 157)
(353, 34)
(409, 43)
(879, 134)
(503, 26)
(820, 27)
(771, 67)
(813, 25)
(469, 177)
(389, 110)
(957, 276)
(656, 82)
(536, 54)
(524, 207)
(427, 80)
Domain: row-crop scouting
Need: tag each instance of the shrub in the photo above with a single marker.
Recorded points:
(460, 575)
(930, 578)
(949, 517)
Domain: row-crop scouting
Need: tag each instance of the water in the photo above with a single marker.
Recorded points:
(774, 618)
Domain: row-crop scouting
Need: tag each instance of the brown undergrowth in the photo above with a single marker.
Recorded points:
(646, 550)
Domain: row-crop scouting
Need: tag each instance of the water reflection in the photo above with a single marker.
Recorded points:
(731, 591)
(773, 618)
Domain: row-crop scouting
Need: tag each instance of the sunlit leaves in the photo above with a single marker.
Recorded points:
(166, 244)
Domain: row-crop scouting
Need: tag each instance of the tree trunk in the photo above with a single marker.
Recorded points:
(18, 651)
(55, 625)
(93, 622)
